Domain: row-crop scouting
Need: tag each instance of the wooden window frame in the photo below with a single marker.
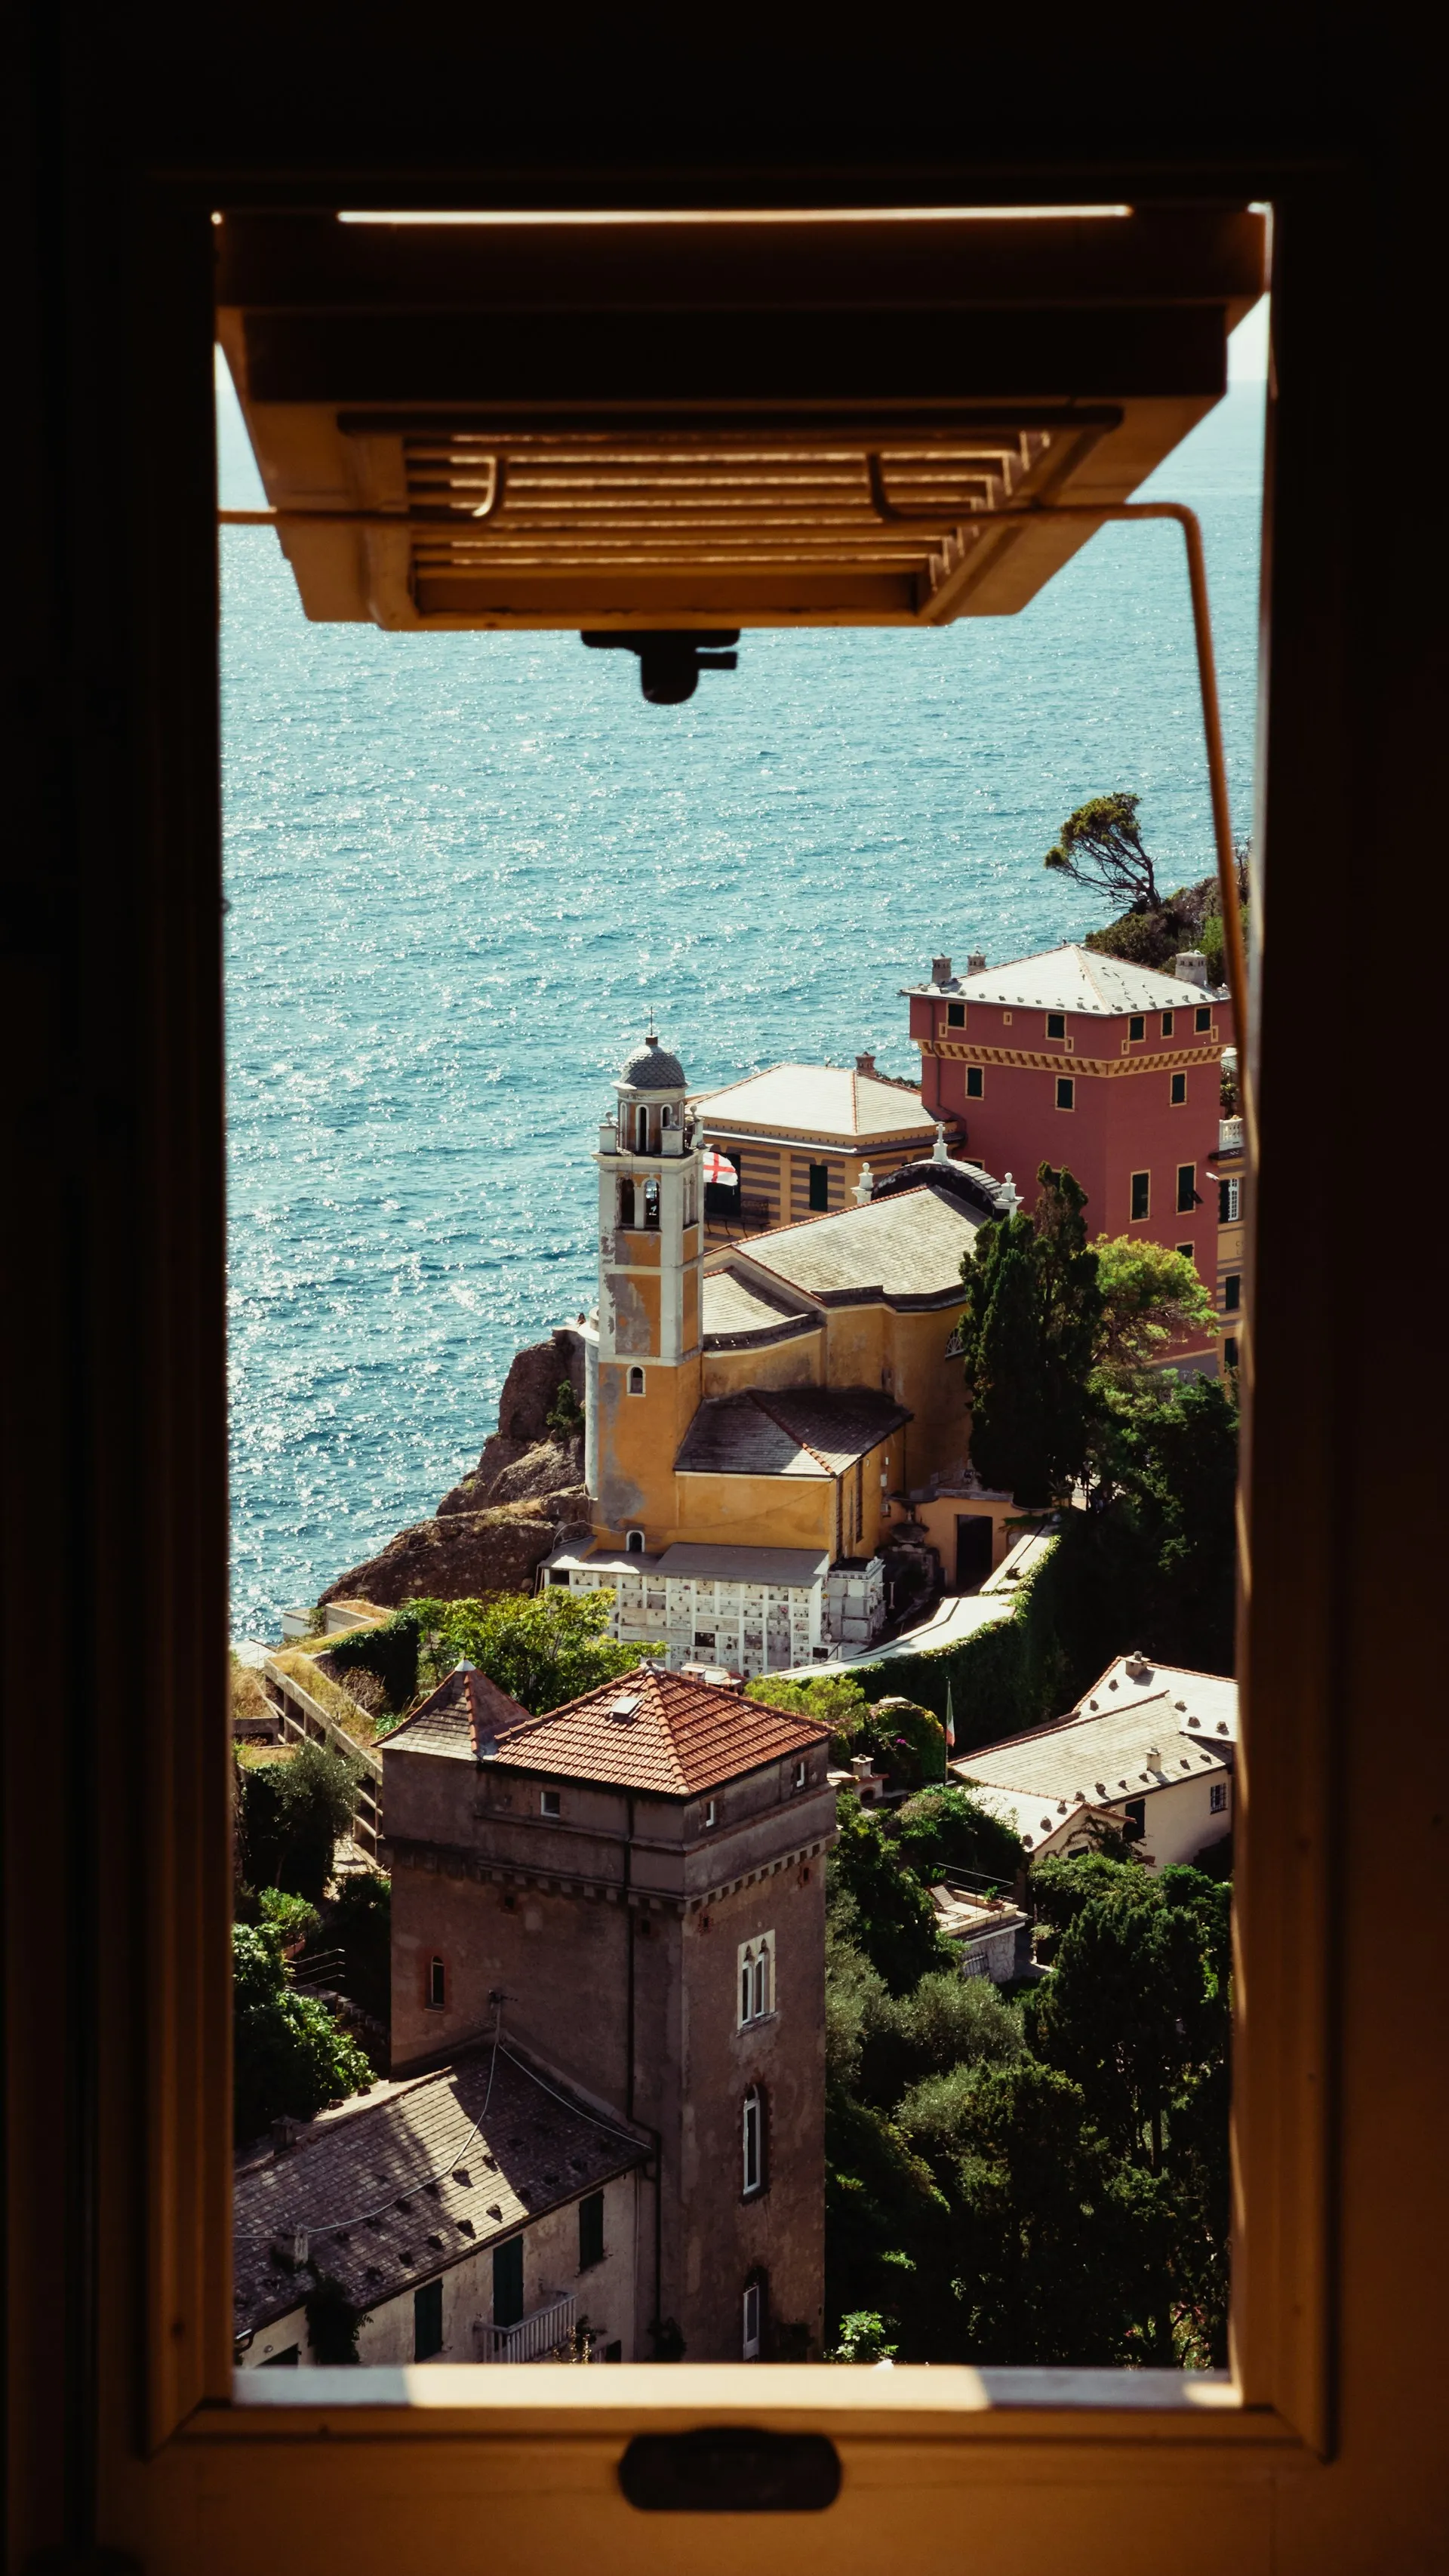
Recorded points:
(127, 2403)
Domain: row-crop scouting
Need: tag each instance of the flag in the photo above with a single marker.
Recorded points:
(719, 1171)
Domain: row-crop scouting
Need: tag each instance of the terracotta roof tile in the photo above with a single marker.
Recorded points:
(649, 1731)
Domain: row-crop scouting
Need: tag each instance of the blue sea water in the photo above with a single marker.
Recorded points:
(462, 869)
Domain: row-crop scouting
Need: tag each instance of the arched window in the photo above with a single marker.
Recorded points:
(651, 1203)
(752, 2142)
(753, 2317)
(634, 1542)
(636, 1381)
(757, 1978)
(626, 1202)
(641, 1129)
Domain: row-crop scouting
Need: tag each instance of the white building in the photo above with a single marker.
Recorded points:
(1148, 1749)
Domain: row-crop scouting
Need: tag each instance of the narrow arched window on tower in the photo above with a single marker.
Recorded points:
(636, 1381)
(626, 1202)
(651, 1203)
(752, 2141)
(641, 1130)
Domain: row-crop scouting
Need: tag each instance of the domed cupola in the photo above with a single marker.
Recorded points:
(651, 1067)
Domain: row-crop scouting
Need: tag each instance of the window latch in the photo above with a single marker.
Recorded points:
(730, 2468)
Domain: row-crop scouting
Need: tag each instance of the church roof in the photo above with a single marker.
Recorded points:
(651, 1067)
(1070, 978)
(788, 1431)
(905, 1246)
(737, 1308)
(824, 1103)
(648, 1731)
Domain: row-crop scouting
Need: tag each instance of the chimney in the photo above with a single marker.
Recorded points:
(940, 970)
(1137, 1665)
(976, 962)
(865, 1064)
(1154, 1757)
(1190, 967)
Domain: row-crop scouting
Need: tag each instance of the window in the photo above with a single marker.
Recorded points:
(1202, 1020)
(634, 1542)
(1187, 1197)
(651, 1203)
(1141, 1196)
(955, 1015)
(1186, 1252)
(1135, 1825)
(752, 2141)
(800, 1775)
(1167, 1024)
(591, 2230)
(1066, 1091)
(508, 2282)
(1230, 1202)
(548, 1802)
(1056, 1024)
(1136, 1029)
(1230, 1353)
(1218, 1798)
(636, 1381)
(641, 1130)
(428, 2320)
(757, 1978)
(820, 1185)
(626, 1202)
(1232, 1292)
(711, 1815)
(437, 1995)
(1177, 1092)
(975, 1082)
(750, 2338)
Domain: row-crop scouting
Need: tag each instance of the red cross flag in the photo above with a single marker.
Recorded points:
(719, 1172)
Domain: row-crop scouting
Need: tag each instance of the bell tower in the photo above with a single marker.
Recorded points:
(651, 1260)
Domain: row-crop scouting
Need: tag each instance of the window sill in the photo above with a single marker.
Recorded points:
(1102, 2411)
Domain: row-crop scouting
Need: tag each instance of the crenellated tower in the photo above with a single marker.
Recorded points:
(651, 1258)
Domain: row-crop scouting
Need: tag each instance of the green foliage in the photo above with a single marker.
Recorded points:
(389, 1651)
(291, 1917)
(946, 1828)
(333, 2323)
(833, 1699)
(290, 2057)
(1102, 848)
(1151, 1298)
(946, 2021)
(1165, 1539)
(290, 1816)
(863, 2338)
(880, 1904)
(1029, 1335)
(565, 1416)
(543, 1648)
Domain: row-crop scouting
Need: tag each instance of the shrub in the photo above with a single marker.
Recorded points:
(291, 1815)
(333, 2323)
(880, 1905)
(946, 2021)
(389, 1652)
(290, 2057)
(946, 1828)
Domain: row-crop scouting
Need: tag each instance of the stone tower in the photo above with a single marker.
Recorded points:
(651, 1255)
(636, 1881)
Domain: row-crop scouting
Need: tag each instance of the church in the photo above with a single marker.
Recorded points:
(759, 1415)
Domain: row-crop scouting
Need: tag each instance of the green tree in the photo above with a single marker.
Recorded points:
(1151, 1298)
(835, 1700)
(1029, 1333)
(881, 1905)
(543, 1648)
(946, 2021)
(1166, 1467)
(946, 1828)
(359, 1921)
(289, 2054)
(1101, 848)
(291, 1814)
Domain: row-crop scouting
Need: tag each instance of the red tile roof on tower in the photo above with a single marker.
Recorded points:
(649, 1730)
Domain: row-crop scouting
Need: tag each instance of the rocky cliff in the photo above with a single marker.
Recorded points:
(500, 1520)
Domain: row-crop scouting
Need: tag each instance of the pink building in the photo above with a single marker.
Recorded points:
(1079, 1059)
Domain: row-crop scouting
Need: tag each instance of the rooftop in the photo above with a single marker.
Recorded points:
(787, 1431)
(906, 1245)
(1070, 978)
(817, 1101)
(654, 1731)
(738, 1308)
(413, 2177)
(1099, 1754)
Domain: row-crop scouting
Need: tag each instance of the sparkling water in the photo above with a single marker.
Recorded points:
(462, 870)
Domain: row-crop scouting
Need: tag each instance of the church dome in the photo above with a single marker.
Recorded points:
(651, 1067)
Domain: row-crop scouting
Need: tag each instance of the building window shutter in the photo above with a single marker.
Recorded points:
(508, 2282)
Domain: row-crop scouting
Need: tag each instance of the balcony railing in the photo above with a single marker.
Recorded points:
(1230, 1135)
(533, 2338)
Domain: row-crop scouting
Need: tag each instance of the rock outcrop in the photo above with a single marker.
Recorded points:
(498, 1522)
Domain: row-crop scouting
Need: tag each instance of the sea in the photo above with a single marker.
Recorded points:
(462, 871)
